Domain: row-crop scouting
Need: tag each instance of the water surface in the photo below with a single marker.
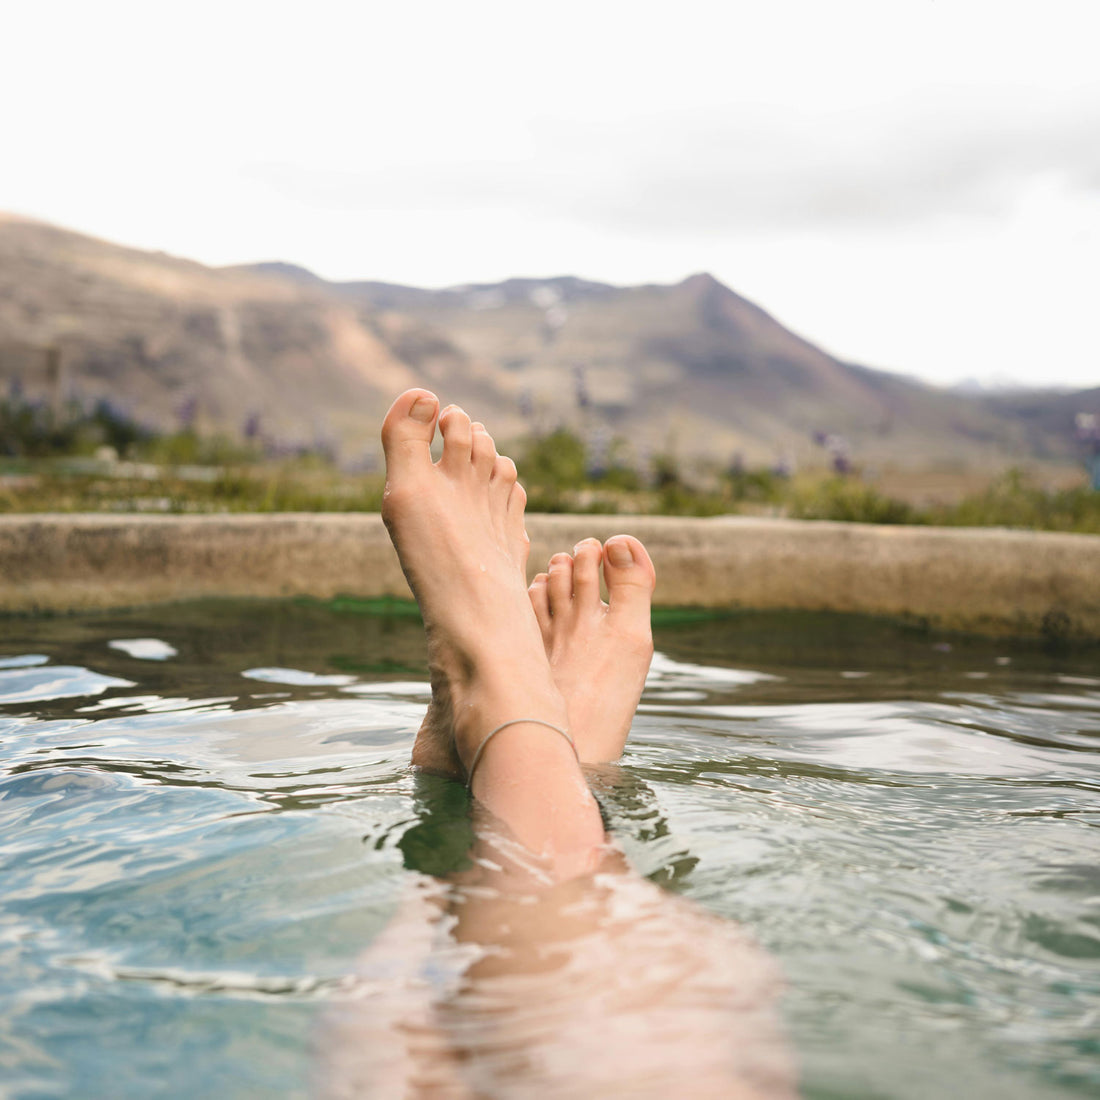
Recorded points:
(206, 816)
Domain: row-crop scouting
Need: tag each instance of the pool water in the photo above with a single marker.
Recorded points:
(207, 814)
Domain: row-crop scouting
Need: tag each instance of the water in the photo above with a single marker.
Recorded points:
(206, 817)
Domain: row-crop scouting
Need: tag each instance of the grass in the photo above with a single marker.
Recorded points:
(287, 487)
(48, 469)
(302, 486)
(1013, 502)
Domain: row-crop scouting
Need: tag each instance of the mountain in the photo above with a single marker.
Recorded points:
(693, 366)
(155, 335)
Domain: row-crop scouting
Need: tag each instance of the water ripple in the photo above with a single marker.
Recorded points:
(910, 830)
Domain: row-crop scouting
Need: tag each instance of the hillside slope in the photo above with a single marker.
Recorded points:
(692, 366)
(155, 334)
(700, 368)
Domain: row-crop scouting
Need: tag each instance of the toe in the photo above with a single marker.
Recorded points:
(483, 451)
(587, 556)
(560, 585)
(457, 432)
(407, 431)
(631, 578)
(517, 504)
(514, 528)
(540, 601)
(501, 481)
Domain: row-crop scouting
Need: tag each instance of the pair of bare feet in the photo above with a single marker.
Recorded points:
(498, 650)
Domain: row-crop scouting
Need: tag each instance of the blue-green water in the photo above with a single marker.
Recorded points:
(206, 816)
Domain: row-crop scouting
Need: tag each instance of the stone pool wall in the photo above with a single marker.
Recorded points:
(980, 580)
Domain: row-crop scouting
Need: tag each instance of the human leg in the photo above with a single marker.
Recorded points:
(582, 978)
(457, 526)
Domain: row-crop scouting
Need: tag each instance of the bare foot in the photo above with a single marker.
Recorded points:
(458, 529)
(457, 526)
(599, 652)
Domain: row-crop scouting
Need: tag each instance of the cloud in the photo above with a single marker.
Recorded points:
(734, 171)
(885, 168)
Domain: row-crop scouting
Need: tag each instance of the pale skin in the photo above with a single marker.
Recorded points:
(583, 979)
(459, 532)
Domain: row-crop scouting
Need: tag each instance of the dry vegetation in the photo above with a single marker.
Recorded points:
(73, 467)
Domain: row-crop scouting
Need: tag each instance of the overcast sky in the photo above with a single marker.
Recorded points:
(912, 184)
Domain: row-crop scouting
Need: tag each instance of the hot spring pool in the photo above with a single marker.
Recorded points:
(206, 815)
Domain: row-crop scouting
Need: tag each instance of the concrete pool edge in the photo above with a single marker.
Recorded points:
(979, 580)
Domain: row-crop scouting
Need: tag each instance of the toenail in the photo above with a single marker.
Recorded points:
(423, 410)
(620, 554)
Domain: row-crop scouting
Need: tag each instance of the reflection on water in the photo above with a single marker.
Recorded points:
(206, 818)
(144, 649)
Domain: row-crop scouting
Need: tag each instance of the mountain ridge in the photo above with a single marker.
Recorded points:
(693, 366)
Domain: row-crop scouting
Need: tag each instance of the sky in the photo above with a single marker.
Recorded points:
(913, 185)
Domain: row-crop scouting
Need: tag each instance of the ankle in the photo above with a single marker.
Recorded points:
(528, 776)
(561, 731)
(479, 714)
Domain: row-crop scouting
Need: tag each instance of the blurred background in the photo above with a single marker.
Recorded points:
(819, 260)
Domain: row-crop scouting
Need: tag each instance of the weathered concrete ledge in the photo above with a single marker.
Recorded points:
(982, 580)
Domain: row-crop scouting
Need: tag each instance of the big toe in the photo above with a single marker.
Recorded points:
(631, 578)
(408, 429)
